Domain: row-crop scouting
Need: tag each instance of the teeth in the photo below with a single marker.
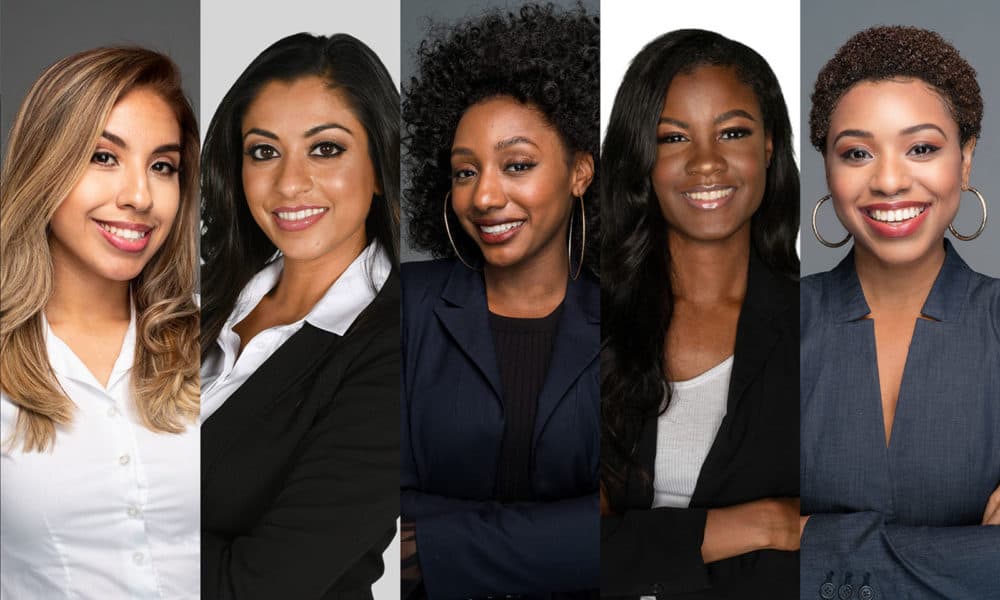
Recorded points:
(502, 227)
(709, 195)
(298, 215)
(897, 215)
(125, 234)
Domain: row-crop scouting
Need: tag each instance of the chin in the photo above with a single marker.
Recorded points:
(900, 252)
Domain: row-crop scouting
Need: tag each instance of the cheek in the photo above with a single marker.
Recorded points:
(256, 182)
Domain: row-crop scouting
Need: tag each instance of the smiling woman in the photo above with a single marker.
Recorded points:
(300, 336)
(98, 327)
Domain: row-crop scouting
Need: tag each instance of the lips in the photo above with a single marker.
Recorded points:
(895, 219)
(708, 197)
(297, 218)
(124, 235)
(498, 232)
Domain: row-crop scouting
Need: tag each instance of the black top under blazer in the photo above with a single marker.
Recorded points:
(657, 552)
(452, 426)
(300, 466)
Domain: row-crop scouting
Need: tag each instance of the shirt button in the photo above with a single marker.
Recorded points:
(138, 557)
(133, 512)
(866, 592)
(123, 459)
(845, 591)
(827, 591)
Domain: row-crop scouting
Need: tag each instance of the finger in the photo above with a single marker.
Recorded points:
(991, 516)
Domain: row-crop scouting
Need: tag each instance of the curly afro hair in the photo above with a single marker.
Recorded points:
(543, 57)
(890, 52)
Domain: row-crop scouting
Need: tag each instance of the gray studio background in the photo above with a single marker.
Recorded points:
(36, 33)
(970, 25)
(416, 15)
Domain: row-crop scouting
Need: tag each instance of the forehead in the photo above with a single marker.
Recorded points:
(142, 115)
(498, 119)
(299, 105)
(708, 90)
(890, 105)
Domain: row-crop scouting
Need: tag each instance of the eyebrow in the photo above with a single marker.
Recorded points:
(118, 141)
(309, 132)
(501, 145)
(730, 114)
(905, 131)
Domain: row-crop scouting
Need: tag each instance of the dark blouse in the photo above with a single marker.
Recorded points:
(901, 520)
(524, 350)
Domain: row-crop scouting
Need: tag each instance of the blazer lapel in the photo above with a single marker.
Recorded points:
(267, 386)
(464, 313)
(577, 344)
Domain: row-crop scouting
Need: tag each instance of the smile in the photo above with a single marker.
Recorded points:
(896, 220)
(897, 215)
(710, 198)
(498, 233)
(500, 228)
(128, 237)
(297, 218)
(298, 215)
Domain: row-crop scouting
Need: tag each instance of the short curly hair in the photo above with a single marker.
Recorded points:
(889, 52)
(544, 57)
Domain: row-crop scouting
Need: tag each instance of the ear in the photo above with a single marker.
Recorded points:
(968, 148)
(768, 148)
(583, 173)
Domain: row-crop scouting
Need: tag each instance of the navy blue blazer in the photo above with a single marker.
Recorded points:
(903, 520)
(452, 426)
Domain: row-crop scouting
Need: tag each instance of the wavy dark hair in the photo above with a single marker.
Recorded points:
(636, 295)
(233, 247)
(540, 56)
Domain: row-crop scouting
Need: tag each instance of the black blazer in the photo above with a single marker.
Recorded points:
(469, 545)
(657, 552)
(300, 466)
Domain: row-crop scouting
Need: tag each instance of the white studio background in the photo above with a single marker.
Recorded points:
(771, 28)
(234, 32)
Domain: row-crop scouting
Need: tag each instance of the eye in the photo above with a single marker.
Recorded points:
(105, 159)
(326, 150)
(520, 166)
(735, 133)
(164, 167)
(671, 138)
(855, 155)
(923, 150)
(262, 152)
(462, 174)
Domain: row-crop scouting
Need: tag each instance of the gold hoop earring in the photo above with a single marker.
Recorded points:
(816, 228)
(982, 226)
(583, 240)
(447, 229)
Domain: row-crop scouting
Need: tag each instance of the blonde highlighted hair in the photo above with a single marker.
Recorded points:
(63, 116)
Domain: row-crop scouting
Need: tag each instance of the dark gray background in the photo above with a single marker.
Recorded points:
(970, 25)
(36, 33)
(416, 16)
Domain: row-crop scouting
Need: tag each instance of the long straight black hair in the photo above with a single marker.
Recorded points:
(233, 247)
(636, 294)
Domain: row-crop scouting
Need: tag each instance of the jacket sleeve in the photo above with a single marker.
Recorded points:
(340, 499)
(898, 561)
(498, 548)
(653, 550)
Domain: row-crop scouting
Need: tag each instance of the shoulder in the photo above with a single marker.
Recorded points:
(422, 282)
(812, 290)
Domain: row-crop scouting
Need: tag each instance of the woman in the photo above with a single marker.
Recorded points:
(98, 328)
(699, 445)
(500, 337)
(900, 386)
(300, 326)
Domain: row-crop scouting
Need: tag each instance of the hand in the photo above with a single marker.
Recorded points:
(769, 523)
(991, 516)
(786, 523)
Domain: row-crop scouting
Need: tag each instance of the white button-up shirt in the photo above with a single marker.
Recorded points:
(113, 510)
(225, 369)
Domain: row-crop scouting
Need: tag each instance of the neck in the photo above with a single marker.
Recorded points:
(304, 282)
(897, 286)
(81, 296)
(530, 288)
(708, 272)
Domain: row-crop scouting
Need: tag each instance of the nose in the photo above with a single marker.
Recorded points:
(890, 177)
(134, 192)
(488, 193)
(293, 177)
(705, 159)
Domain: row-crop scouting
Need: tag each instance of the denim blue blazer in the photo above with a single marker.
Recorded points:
(903, 520)
(452, 425)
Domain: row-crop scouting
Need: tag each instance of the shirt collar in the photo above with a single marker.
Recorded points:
(66, 363)
(342, 302)
(944, 303)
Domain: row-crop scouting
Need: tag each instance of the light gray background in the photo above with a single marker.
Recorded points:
(234, 32)
(968, 24)
(417, 14)
(36, 33)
